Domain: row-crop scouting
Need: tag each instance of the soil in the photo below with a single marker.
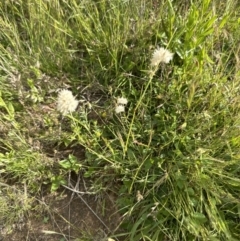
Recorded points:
(67, 218)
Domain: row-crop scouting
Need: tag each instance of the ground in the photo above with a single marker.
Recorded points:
(67, 217)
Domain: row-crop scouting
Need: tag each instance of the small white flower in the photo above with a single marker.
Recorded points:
(110, 239)
(122, 101)
(119, 109)
(139, 196)
(66, 102)
(161, 55)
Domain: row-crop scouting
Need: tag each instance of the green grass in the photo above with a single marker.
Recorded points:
(178, 141)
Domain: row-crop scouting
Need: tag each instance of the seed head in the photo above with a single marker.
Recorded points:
(161, 55)
(119, 109)
(122, 101)
(66, 102)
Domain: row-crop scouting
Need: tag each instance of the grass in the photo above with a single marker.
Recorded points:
(177, 143)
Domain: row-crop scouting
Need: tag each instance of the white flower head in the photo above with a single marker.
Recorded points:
(139, 196)
(161, 55)
(119, 109)
(66, 102)
(122, 101)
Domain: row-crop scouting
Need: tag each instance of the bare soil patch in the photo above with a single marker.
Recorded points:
(68, 216)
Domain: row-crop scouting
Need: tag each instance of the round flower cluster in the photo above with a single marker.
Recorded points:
(161, 55)
(121, 102)
(66, 102)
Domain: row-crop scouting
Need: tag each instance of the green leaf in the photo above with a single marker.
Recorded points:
(190, 191)
(65, 164)
(199, 217)
(57, 181)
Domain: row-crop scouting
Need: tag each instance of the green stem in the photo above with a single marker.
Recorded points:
(152, 73)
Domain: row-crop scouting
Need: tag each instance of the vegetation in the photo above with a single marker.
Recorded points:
(172, 154)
